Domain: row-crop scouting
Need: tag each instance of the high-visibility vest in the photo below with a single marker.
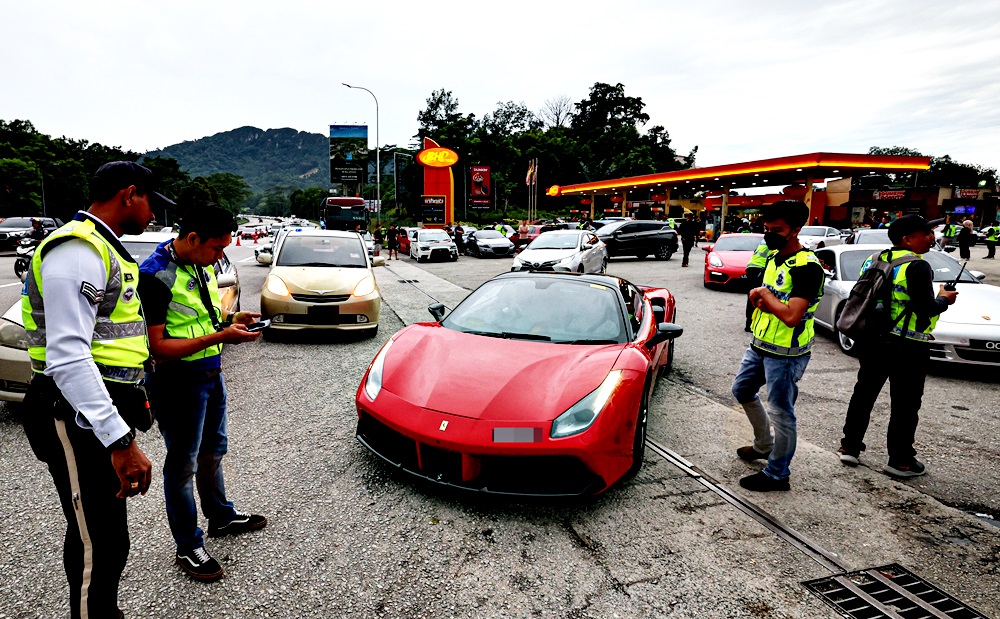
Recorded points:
(119, 339)
(949, 231)
(769, 332)
(991, 233)
(901, 297)
(187, 315)
(759, 258)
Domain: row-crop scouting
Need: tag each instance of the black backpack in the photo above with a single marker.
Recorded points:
(866, 314)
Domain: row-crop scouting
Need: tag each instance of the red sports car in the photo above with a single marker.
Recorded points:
(536, 384)
(726, 259)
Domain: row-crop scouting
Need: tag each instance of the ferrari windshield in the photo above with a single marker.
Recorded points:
(556, 241)
(322, 251)
(945, 267)
(553, 309)
(738, 242)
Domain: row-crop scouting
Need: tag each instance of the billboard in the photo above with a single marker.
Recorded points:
(348, 154)
(480, 187)
(432, 210)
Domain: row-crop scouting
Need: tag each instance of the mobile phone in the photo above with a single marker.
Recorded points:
(259, 326)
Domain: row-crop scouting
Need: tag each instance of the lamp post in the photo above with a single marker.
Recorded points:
(378, 166)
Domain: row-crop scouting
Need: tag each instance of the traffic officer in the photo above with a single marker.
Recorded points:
(948, 233)
(902, 356)
(180, 297)
(782, 342)
(991, 240)
(87, 343)
(755, 276)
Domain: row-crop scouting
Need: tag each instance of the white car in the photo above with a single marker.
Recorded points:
(431, 243)
(968, 332)
(578, 251)
(815, 237)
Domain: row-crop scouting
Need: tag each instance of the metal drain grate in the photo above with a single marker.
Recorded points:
(409, 281)
(888, 591)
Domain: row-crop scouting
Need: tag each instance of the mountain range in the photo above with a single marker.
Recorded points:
(265, 159)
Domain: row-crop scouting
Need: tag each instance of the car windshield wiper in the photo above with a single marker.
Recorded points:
(594, 342)
(507, 335)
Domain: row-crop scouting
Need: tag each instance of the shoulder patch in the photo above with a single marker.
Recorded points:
(94, 294)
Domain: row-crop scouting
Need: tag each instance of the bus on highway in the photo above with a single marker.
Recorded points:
(343, 213)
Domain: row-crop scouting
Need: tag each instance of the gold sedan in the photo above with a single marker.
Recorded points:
(322, 279)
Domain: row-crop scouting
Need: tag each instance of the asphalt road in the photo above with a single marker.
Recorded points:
(348, 537)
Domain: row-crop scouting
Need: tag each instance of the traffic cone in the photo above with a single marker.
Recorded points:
(238, 237)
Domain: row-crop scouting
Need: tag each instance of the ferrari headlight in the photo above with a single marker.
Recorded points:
(715, 261)
(274, 285)
(13, 335)
(365, 287)
(373, 384)
(582, 415)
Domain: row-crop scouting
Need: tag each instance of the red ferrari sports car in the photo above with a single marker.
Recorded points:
(536, 384)
(726, 259)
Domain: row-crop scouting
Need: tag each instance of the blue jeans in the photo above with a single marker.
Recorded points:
(190, 410)
(781, 375)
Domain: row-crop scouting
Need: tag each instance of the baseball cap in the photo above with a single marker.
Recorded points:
(114, 176)
(906, 225)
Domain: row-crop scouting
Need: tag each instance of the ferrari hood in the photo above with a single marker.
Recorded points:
(491, 378)
(977, 304)
(735, 258)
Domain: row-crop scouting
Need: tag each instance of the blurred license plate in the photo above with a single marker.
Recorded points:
(327, 314)
(517, 435)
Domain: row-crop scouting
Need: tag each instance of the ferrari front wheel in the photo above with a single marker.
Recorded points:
(639, 438)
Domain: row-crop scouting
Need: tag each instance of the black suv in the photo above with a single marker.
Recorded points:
(639, 238)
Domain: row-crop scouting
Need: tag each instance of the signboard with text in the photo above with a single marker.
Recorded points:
(480, 187)
(432, 209)
(348, 154)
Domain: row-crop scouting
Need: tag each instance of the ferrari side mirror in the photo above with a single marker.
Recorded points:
(664, 331)
(436, 310)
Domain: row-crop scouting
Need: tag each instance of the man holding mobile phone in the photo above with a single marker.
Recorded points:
(180, 299)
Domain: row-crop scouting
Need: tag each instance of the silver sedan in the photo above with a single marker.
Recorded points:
(578, 251)
(969, 332)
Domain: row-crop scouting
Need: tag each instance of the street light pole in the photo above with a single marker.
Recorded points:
(378, 166)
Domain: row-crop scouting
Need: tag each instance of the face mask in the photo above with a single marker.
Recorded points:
(775, 240)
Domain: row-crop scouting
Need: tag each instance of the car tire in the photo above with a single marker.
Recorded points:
(454, 258)
(580, 269)
(821, 246)
(370, 333)
(663, 252)
(846, 344)
(639, 437)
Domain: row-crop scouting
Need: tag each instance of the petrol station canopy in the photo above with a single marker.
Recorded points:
(778, 172)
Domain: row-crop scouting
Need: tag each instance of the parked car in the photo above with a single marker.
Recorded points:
(432, 243)
(520, 240)
(726, 259)
(639, 238)
(13, 229)
(486, 243)
(869, 236)
(322, 279)
(814, 237)
(594, 345)
(15, 364)
(969, 332)
(577, 251)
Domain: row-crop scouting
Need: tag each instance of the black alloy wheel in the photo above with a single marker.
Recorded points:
(639, 438)
(663, 252)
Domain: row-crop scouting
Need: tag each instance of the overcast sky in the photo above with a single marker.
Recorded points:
(741, 80)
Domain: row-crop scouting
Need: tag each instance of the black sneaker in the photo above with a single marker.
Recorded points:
(199, 565)
(759, 482)
(847, 457)
(914, 468)
(750, 454)
(241, 523)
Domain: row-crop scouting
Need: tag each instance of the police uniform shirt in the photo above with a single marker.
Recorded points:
(806, 282)
(70, 317)
(920, 288)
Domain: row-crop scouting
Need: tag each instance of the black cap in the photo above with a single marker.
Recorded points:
(906, 225)
(114, 176)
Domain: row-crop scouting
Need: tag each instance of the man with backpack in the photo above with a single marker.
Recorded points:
(783, 331)
(895, 345)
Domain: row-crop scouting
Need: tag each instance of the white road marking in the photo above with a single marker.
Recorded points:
(248, 259)
(13, 284)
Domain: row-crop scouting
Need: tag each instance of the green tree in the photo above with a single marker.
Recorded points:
(943, 172)
(232, 190)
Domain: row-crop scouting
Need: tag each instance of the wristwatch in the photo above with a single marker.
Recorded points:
(123, 442)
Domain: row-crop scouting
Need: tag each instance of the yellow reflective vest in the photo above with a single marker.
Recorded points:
(119, 339)
(187, 314)
(901, 298)
(772, 335)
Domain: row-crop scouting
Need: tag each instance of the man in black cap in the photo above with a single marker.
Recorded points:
(87, 343)
(903, 356)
